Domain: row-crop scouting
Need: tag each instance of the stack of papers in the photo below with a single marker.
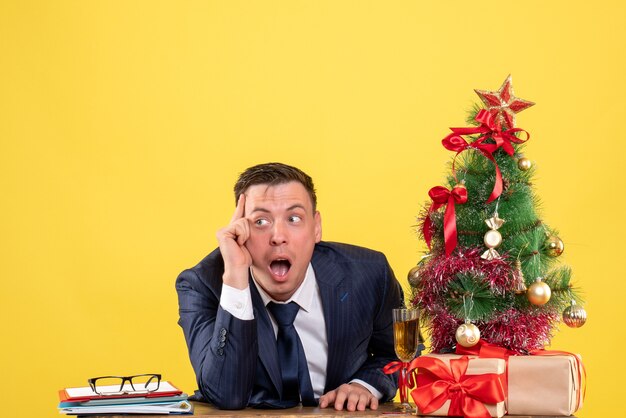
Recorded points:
(168, 399)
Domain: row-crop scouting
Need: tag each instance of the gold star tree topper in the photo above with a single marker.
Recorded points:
(503, 104)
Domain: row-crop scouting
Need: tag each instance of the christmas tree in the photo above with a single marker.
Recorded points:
(493, 271)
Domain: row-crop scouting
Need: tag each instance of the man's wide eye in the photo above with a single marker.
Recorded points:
(261, 222)
(294, 219)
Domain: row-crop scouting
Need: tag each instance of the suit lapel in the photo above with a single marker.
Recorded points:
(268, 353)
(334, 291)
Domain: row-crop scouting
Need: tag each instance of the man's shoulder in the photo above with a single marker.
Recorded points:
(339, 252)
(211, 261)
(364, 267)
(209, 269)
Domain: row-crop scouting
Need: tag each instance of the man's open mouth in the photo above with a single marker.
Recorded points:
(280, 267)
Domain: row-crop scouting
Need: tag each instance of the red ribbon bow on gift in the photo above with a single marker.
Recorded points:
(488, 129)
(407, 380)
(485, 349)
(442, 196)
(467, 393)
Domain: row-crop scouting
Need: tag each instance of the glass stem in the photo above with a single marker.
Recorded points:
(404, 388)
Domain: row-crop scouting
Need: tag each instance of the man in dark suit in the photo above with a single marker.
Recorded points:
(245, 348)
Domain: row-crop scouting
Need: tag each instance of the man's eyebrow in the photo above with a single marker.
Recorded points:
(296, 206)
(290, 208)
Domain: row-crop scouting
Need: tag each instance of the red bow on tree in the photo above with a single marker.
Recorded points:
(442, 196)
(467, 393)
(457, 143)
(503, 138)
(488, 129)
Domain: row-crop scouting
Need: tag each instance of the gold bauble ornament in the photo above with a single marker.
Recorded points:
(574, 316)
(554, 246)
(467, 335)
(524, 164)
(413, 276)
(460, 185)
(539, 292)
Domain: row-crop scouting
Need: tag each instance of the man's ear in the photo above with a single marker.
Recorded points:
(318, 226)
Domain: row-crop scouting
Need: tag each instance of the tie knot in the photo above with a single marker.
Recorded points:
(284, 313)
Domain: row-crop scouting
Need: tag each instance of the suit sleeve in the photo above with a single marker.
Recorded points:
(221, 347)
(381, 350)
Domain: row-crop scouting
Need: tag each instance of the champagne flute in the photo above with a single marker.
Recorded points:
(406, 341)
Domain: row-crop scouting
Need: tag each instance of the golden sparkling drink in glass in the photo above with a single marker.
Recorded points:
(405, 335)
(406, 341)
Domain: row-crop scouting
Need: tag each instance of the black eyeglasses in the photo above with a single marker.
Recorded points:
(123, 385)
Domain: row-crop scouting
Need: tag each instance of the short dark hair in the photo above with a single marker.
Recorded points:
(273, 174)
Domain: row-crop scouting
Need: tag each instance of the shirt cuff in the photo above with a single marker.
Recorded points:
(369, 387)
(237, 302)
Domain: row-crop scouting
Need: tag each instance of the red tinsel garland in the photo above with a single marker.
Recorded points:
(521, 331)
(438, 271)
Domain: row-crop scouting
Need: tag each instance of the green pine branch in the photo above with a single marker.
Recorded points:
(470, 297)
(559, 280)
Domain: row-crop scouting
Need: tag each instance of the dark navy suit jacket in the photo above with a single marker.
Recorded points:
(236, 361)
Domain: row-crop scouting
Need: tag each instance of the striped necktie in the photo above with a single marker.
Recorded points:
(293, 366)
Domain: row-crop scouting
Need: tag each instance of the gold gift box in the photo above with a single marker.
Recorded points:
(544, 385)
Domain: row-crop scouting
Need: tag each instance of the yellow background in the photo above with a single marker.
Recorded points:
(124, 124)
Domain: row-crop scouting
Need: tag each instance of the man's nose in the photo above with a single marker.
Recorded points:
(279, 234)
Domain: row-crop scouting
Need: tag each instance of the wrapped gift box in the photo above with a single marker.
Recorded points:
(544, 385)
(549, 383)
(476, 366)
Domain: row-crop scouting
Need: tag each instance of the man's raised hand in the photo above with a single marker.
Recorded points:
(232, 239)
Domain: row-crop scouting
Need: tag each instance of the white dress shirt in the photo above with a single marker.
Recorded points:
(309, 324)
